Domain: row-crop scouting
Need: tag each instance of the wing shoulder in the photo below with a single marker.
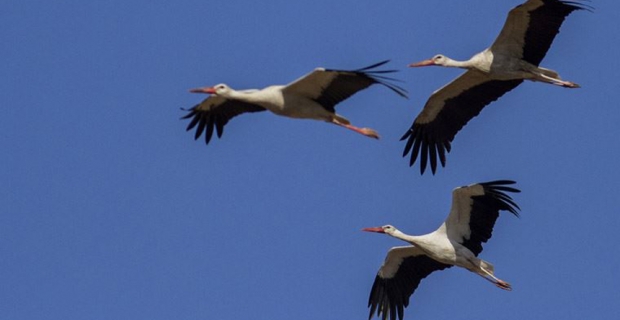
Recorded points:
(511, 38)
(475, 209)
(531, 27)
(309, 84)
(330, 86)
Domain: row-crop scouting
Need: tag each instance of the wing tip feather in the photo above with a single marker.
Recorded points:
(498, 190)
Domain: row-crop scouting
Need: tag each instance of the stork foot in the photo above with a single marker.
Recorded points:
(365, 131)
(568, 84)
(555, 80)
(503, 285)
(565, 84)
(369, 133)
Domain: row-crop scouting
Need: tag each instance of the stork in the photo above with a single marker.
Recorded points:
(514, 57)
(457, 242)
(313, 96)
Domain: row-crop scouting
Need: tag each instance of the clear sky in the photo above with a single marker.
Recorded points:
(110, 210)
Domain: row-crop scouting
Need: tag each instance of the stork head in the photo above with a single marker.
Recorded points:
(387, 229)
(438, 60)
(217, 89)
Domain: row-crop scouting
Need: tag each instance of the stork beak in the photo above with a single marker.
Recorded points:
(209, 90)
(424, 63)
(376, 229)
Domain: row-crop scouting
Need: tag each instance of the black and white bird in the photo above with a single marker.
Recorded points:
(514, 57)
(313, 96)
(457, 242)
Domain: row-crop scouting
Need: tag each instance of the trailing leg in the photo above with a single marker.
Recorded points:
(337, 120)
(486, 271)
(556, 81)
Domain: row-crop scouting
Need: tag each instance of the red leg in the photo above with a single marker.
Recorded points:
(365, 131)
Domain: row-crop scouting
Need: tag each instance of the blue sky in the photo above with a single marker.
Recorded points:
(110, 210)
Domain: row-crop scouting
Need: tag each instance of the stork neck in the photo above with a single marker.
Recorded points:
(405, 237)
(232, 94)
(459, 64)
(248, 96)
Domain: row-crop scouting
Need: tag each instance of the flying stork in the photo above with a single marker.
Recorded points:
(515, 55)
(457, 242)
(313, 96)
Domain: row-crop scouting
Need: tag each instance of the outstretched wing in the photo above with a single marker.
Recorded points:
(330, 87)
(475, 209)
(399, 276)
(531, 27)
(214, 112)
(446, 112)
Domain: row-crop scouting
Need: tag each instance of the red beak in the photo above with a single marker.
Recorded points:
(376, 229)
(209, 90)
(424, 63)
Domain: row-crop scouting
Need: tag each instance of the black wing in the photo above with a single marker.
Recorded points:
(214, 112)
(475, 209)
(532, 26)
(329, 87)
(400, 275)
(446, 112)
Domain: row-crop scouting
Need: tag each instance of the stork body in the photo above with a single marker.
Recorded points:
(514, 57)
(313, 96)
(276, 100)
(457, 242)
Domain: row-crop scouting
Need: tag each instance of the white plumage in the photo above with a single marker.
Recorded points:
(457, 242)
(515, 55)
(313, 96)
